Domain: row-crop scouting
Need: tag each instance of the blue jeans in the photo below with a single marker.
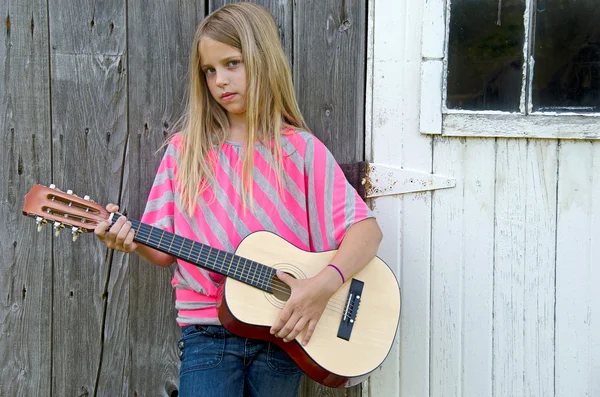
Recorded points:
(216, 363)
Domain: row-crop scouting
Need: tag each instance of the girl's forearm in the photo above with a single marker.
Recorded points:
(359, 246)
(154, 256)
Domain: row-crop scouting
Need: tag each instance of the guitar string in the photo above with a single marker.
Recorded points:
(147, 235)
(262, 282)
(335, 305)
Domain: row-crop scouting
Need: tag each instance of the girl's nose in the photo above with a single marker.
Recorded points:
(221, 79)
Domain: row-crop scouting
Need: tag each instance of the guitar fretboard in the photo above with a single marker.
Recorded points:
(202, 255)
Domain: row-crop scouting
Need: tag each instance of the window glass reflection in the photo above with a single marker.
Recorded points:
(567, 56)
(485, 54)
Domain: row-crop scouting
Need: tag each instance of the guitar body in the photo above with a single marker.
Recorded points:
(328, 359)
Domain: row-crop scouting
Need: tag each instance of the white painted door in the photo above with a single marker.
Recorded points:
(500, 274)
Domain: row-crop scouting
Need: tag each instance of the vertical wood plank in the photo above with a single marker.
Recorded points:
(282, 12)
(329, 72)
(577, 271)
(462, 269)
(540, 263)
(159, 41)
(524, 267)
(26, 262)
(89, 126)
(405, 219)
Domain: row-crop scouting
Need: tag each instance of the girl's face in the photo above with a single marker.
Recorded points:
(225, 73)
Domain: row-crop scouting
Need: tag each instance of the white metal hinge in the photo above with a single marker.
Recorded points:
(384, 180)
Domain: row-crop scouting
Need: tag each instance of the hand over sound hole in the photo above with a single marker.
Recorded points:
(281, 290)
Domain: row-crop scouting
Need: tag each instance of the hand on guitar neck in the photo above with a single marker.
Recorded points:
(120, 237)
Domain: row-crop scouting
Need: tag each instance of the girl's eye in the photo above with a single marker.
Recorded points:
(233, 63)
(209, 71)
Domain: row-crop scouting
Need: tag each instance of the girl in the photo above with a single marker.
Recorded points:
(243, 161)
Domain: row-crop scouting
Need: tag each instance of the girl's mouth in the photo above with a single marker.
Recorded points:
(228, 96)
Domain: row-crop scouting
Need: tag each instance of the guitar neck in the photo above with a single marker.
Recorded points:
(202, 255)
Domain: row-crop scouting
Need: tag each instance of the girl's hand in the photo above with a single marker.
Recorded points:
(305, 305)
(120, 236)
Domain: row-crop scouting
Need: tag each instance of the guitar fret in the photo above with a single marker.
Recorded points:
(244, 268)
(266, 277)
(173, 239)
(259, 274)
(149, 234)
(180, 247)
(230, 262)
(254, 267)
(216, 261)
(252, 280)
(161, 237)
(190, 253)
(199, 253)
(259, 268)
(270, 273)
(247, 273)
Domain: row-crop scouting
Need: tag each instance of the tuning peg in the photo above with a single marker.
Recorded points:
(52, 186)
(76, 231)
(40, 222)
(86, 197)
(57, 228)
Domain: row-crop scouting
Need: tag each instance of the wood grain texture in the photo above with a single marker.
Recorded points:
(329, 72)
(89, 114)
(97, 87)
(500, 125)
(26, 262)
(462, 269)
(524, 249)
(160, 38)
(577, 271)
(404, 219)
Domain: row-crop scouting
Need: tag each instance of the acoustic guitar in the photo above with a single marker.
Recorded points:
(355, 332)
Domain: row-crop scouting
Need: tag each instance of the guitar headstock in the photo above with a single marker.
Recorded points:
(50, 205)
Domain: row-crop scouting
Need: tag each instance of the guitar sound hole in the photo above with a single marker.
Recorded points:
(281, 290)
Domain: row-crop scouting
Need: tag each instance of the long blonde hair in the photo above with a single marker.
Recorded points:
(270, 99)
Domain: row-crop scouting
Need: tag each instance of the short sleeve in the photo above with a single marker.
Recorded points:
(160, 206)
(333, 205)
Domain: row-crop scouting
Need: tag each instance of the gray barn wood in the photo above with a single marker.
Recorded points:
(88, 101)
(26, 256)
(89, 93)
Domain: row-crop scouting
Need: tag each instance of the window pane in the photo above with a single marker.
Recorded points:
(485, 54)
(567, 56)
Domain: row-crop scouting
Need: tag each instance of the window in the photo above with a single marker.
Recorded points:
(524, 68)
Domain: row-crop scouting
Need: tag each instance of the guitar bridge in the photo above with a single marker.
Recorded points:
(350, 309)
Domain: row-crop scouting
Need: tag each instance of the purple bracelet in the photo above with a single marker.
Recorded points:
(339, 271)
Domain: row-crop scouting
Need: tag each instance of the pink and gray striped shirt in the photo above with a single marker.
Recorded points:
(313, 210)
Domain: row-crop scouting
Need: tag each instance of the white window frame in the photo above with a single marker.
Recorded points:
(436, 118)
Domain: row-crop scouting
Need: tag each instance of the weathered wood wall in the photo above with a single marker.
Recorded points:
(88, 91)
